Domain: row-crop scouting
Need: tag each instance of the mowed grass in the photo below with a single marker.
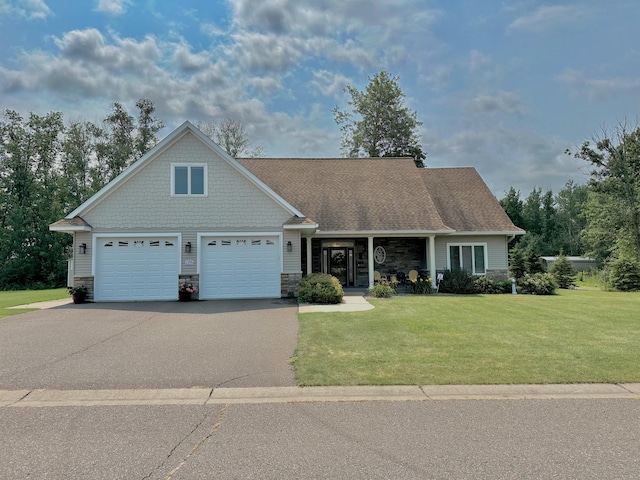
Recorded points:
(23, 297)
(573, 337)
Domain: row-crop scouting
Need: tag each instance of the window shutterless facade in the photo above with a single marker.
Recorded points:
(471, 257)
(188, 179)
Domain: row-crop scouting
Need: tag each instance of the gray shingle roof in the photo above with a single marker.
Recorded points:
(382, 195)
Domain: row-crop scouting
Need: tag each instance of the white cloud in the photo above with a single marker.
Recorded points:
(113, 7)
(503, 102)
(331, 84)
(506, 156)
(597, 88)
(30, 9)
(547, 17)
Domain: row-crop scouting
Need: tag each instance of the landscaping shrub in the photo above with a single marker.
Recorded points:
(538, 284)
(421, 286)
(320, 288)
(382, 290)
(563, 272)
(457, 281)
(488, 285)
(624, 274)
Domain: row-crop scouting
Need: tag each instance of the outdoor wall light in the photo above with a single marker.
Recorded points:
(82, 248)
(187, 247)
(289, 246)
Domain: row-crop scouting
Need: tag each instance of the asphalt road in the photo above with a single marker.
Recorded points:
(150, 345)
(499, 439)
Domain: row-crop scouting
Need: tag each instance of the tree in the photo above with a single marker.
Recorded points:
(563, 272)
(571, 217)
(30, 255)
(121, 140)
(613, 209)
(513, 206)
(232, 136)
(386, 127)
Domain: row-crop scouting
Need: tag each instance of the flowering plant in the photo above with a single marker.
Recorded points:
(187, 288)
(79, 289)
(421, 286)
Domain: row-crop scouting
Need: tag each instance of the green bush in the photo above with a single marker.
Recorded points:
(538, 284)
(382, 290)
(421, 286)
(488, 285)
(320, 288)
(624, 274)
(457, 281)
(563, 272)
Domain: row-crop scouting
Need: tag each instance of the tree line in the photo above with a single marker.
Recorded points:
(47, 169)
(600, 219)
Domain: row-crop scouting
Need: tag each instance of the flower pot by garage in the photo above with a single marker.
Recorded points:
(184, 296)
(79, 297)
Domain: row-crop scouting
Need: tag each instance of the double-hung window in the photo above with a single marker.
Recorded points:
(189, 179)
(471, 257)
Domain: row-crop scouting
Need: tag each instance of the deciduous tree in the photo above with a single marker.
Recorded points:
(232, 136)
(613, 211)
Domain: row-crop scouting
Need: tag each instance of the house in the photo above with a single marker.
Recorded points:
(251, 228)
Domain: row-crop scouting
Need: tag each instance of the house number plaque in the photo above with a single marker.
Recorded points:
(379, 254)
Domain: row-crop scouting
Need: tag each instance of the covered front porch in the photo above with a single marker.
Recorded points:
(356, 261)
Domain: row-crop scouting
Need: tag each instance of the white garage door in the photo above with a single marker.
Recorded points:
(240, 267)
(136, 268)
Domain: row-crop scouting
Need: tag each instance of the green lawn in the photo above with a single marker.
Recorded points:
(11, 299)
(575, 336)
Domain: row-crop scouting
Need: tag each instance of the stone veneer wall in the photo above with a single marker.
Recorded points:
(87, 282)
(193, 279)
(289, 284)
(498, 274)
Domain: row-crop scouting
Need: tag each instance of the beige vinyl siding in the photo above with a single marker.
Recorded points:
(496, 249)
(82, 263)
(291, 260)
(144, 200)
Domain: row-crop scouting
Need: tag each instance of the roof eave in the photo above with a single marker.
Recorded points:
(69, 228)
(383, 233)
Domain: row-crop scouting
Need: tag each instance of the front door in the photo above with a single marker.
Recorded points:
(340, 264)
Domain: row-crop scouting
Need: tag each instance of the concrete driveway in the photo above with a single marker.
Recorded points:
(235, 343)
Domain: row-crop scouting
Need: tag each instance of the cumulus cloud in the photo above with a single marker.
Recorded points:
(503, 102)
(507, 156)
(29, 9)
(330, 83)
(597, 88)
(547, 17)
(113, 7)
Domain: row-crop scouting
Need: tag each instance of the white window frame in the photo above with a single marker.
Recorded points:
(189, 166)
(473, 256)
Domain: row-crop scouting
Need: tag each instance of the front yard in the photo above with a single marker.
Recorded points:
(575, 336)
(23, 297)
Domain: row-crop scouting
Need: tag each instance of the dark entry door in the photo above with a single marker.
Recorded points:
(341, 264)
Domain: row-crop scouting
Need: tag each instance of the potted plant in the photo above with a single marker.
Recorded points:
(78, 293)
(185, 290)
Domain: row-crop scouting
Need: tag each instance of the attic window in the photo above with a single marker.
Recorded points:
(188, 179)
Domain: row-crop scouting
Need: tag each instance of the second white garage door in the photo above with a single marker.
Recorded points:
(240, 267)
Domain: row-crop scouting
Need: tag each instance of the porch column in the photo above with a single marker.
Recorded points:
(370, 259)
(309, 256)
(432, 259)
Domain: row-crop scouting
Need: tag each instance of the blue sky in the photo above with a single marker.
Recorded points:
(504, 86)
